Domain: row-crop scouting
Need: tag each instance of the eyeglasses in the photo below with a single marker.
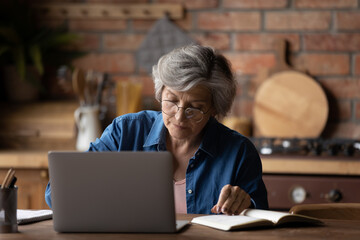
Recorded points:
(171, 108)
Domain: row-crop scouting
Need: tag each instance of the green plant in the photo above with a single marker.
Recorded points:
(24, 43)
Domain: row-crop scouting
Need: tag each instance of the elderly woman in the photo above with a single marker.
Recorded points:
(216, 169)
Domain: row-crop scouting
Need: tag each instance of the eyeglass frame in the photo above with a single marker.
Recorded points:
(202, 116)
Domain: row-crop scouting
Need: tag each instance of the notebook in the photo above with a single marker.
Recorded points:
(26, 216)
(113, 192)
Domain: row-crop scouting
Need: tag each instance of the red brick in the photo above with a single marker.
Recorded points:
(324, 64)
(186, 22)
(220, 41)
(332, 42)
(242, 107)
(97, 25)
(265, 41)
(88, 42)
(343, 130)
(326, 4)
(193, 4)
(142, 25)
(345, 111)
(342, 88)
(115, 1)
(145, 25)
(229, 21)
(357, 64)
(148, 85)
(122, 41)
(302, 20)
(107, 62)
(246, 63)
(357, 110)
(254, 4)
(49, 22)
(347, 20)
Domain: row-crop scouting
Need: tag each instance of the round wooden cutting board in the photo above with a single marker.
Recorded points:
(290, 104)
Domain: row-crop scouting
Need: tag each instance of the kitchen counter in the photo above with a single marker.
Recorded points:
(23, 159)
(271, 164)
(311, 165)
(283, 175)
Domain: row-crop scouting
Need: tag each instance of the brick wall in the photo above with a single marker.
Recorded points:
(324, 37)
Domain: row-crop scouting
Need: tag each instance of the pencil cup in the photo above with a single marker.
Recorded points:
(8, 208)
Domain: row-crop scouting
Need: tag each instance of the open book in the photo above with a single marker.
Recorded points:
(253, 218)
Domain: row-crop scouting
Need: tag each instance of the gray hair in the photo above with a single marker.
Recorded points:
(192, 65)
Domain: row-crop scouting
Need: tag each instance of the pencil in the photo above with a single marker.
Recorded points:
(8, 178)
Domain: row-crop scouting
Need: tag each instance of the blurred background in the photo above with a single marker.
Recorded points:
(92, 53)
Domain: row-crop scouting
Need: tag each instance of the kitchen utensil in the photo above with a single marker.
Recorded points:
(79, 84)
(128, 97)
(163, 37)
(289, 104)
(100, 88)
(92, 79)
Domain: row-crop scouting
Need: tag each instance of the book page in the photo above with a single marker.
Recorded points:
(273, 216)
(279, 217)
(225, 222)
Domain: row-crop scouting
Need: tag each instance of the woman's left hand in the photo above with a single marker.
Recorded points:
(232, 200)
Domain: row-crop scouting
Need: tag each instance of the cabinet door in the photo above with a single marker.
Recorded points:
(285, 191)
(31, 187)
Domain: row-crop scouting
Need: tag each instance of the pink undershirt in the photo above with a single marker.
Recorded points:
(180, 196)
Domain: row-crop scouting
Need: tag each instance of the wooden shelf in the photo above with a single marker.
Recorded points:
(110, 11)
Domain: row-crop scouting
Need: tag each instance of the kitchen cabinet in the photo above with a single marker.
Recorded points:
(27, 132)
(32, 176)
(292, 180)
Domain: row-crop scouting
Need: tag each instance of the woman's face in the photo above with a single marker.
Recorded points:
(180, 127)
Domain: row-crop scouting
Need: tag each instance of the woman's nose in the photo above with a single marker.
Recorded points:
(180, 115)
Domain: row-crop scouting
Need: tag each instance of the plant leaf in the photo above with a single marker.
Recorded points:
(36, 57)
(19, 59)
(9, 34)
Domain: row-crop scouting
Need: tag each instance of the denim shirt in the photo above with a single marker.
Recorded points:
(224, 157)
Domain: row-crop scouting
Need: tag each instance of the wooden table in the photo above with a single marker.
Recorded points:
(333, 229)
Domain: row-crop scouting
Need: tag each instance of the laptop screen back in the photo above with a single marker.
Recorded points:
(112, 191)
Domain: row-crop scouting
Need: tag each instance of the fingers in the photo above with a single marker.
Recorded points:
(224, 194)
(232, 200)
(242, 202)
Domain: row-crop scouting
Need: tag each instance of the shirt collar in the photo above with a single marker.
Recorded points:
(208, 145)
(157, 135)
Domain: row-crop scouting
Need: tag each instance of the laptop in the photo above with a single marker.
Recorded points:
(113, 192)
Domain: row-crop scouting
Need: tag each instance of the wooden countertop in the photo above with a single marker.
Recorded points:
(311, 165)
(271, 164)
(332, 229)
(23, 159)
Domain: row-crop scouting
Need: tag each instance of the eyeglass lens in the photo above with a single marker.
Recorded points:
(171, 108)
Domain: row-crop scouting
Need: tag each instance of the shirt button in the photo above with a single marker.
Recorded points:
(198, 154)
(190, 191)
(191, 165)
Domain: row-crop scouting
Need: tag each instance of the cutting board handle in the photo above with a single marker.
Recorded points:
(280, 55)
